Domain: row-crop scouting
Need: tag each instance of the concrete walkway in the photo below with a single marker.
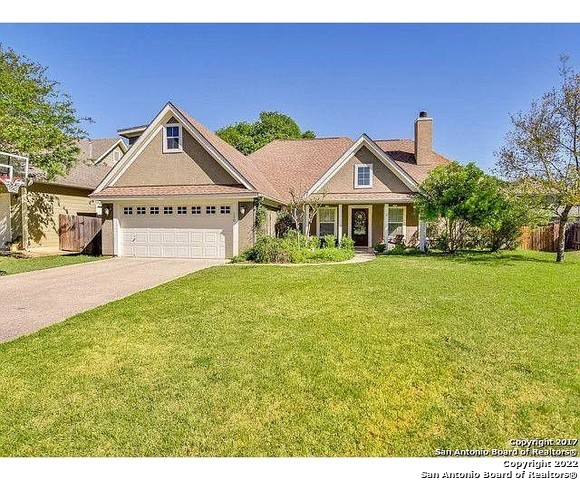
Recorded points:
(33, 300)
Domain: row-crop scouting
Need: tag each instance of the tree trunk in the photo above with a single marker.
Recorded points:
(562, 233)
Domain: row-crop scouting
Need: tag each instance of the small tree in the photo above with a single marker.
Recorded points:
(301, 203)
(36, 119)
(542, 152)
(504, 226)
(461, 196)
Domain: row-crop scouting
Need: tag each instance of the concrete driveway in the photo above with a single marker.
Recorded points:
(33, 300)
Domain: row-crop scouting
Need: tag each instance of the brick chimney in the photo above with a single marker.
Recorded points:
(423, 139)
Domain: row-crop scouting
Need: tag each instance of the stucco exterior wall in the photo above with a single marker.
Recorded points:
(112, 157)
(107, 237)
(246, 226)
(383, 179)
(193, 166)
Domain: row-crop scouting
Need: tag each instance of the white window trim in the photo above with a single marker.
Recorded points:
(386, 221)
(356, 169)
(172, 150)
(370, 220)
(318, 220)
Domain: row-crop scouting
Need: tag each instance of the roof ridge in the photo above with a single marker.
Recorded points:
(394, 140)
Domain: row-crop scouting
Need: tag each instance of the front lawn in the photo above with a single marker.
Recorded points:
(398, 356)
(12, 264)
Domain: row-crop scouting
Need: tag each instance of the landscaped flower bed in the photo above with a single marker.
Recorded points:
(297, 248)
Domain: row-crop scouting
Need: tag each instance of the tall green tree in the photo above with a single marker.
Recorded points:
(37, 120)
(248, 137)
(460, 196)
(542, 152)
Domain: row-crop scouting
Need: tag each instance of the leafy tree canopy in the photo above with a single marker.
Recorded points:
(461, 196)
(541, 154)
(248, 137)
(36, 119)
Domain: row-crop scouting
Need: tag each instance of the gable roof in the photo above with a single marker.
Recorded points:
(87, 172)
(366, 141)
(299, 163)
(96, 149)
(227, 156)
(402, 151)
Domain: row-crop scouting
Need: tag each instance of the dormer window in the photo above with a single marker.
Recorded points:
(363, 176)
(172, 138)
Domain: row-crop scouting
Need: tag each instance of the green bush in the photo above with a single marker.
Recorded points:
(295, 248)
(380, 247)
(328, 241)
(347, 243)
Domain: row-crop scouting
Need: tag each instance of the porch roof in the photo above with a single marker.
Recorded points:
(383, 197)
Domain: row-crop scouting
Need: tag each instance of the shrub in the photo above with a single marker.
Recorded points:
(347, 243)
(328, 241)
(269, 250)
(380, 247)
(294, 248)
(284, 224)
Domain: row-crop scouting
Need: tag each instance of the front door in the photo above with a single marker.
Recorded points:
(360, 227)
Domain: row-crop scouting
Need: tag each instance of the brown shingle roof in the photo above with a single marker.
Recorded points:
(298, 163)
(93, 149)
(163, 190)
(403, 152)
(237, 159)
(85, 174)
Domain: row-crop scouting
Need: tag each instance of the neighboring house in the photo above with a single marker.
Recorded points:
(69, 194)
(181, 191)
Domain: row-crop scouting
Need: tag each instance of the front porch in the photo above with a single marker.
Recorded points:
(368, 223)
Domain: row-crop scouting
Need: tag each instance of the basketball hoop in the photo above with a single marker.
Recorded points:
(13, 164)
(12, 185)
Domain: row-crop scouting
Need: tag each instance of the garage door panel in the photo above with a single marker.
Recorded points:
(172, 242)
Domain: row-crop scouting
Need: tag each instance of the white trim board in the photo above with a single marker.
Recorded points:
(366, 141)
(149, 134)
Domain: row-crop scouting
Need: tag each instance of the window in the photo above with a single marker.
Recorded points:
(181, 210)
(210, 210)
(196, 210)
(140, 210)
(153, 210)
(167, 210)
(395, 221)
(172, 138)
(224, 209)
(128, 210)
(363, 176)
(326, 221)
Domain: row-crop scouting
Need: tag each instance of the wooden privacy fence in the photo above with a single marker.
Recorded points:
(545, 238)
(79, 233)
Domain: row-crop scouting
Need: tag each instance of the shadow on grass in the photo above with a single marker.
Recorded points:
(499, 258)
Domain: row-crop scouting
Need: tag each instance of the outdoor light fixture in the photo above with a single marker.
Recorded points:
(242, 210)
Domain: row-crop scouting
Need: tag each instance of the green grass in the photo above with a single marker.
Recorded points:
(10, 265)
(399, 356)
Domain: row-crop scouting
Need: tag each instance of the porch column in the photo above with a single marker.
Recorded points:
(339, 223)
(305, 222)
(422, 234)
(386, 223)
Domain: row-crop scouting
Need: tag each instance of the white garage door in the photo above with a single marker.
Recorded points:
(175, 235)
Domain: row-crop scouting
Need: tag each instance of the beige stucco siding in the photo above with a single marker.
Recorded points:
(107, 237)
(112, 157)
(246, 226)
(45, 203)
(193, 166)
(383, 179)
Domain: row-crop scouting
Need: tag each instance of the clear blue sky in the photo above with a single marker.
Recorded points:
(333, 79)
